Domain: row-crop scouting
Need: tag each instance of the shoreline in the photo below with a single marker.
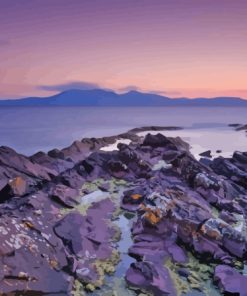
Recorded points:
(188, 218)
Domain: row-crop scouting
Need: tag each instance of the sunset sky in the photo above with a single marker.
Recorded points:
(174, 47)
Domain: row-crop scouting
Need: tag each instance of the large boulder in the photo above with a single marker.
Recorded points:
(25, 269)
(132, 198)
(155, 141)
(230, 170)
(153, 277)
(88, 237)
(230, 281)
(15, 187)
(65, 195)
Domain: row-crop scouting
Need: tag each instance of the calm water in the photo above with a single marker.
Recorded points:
(29, 129)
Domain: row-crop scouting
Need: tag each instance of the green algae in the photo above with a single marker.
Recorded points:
(117, 287)
(181, 286)
(103, 268)
(78, 289)
(199, 277)
(215, 212)
(115, 185)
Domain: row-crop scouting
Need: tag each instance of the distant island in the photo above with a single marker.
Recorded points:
(100, 97)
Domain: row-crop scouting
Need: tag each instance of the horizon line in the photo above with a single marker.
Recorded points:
(123, 93)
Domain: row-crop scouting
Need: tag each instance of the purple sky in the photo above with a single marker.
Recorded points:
(175, 47)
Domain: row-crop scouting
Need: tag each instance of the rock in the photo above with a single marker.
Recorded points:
(234, 124)
(205, 161)
(57, 164)
(55, 153)
(104, 187)
(72, 179)
(153, 277)
(65, 195)
(133, 198)
(231, 239)
(240, 158)
(16, 187)
(206, 154)
(72, 229)
(19, 164)
(228, 169)
(241, 127)
(26, 269)
(154, 128)
(117, 169)
(154, 250)
(178, 255)
(230, 206)
(206, 181)
(174, 203)
(183, 272)
(230, 281)
(87, 238)
(157, 140)
(227, 217)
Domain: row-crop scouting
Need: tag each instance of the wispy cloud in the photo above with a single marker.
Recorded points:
(129, 88)
(84, 85)
(165, 93)
(157, 92)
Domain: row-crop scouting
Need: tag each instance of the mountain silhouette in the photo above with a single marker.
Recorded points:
(100, 97)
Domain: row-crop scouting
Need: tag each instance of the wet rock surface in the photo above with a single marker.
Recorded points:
(58, 227)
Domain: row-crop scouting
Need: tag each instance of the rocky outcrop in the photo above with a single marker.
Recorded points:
(241, 127)
(187, 220)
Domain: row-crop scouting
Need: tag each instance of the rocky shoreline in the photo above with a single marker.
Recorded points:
(61, 212)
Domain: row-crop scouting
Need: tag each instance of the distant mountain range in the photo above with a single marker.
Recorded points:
(100, 97)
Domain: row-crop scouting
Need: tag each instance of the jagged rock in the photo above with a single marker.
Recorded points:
(234, 124)
(241, 127)
(20, 164)
(16, 187)
(230, 281)
(206, 154)
(53, 163)
(153, 277)
(117, 168)
(227, 217)
(179, 205)
(155, 140)
(87, 237)
(227, 236)
(224, 167)
(133, 198)
(65, 195)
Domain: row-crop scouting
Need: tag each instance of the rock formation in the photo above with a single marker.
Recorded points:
(61, 212)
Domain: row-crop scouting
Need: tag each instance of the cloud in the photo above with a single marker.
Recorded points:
(129, 88)
(70, 85)
(165, 93)
(156, 92)
(84, 85)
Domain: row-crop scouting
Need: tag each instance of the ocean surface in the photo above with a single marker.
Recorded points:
(31, 129)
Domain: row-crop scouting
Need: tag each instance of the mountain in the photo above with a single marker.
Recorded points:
(100, 97)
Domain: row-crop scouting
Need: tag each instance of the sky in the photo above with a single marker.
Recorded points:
(192, 48)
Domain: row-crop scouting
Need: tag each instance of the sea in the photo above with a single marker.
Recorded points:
(32, 129)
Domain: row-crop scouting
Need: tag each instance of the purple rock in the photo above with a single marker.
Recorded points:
(153, 277)
(65, 195)
(230, 281)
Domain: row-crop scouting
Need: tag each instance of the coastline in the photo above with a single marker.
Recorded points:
(188, 218)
